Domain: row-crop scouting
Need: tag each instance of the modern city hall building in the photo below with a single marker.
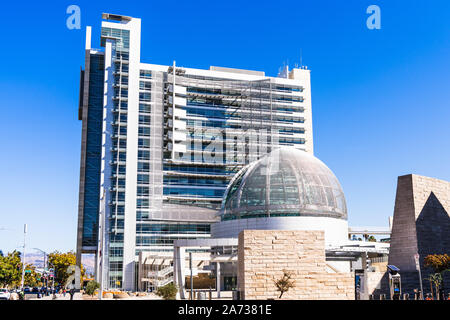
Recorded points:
(161, 143)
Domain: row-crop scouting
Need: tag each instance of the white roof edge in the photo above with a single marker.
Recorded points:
(221, 74)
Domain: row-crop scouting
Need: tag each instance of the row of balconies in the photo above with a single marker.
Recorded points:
(230, 84)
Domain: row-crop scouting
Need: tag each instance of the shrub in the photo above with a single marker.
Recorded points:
(91, 287)
(285, 283)
(168, 292)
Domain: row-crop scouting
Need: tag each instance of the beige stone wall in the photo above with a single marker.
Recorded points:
(264, 254)
(423, 186)
(373, 282)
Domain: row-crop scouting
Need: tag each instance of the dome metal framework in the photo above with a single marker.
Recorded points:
(286, 182)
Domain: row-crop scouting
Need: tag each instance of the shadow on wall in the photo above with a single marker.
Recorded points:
(433, 228)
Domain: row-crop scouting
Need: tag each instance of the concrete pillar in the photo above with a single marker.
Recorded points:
(218, 279)
(140, 271)
(179, 277)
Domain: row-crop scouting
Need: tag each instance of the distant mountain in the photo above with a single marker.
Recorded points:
(37, 259)
(88, 261)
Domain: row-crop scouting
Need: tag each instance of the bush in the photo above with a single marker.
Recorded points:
(91, 287)
(285, 283)
(168, 292)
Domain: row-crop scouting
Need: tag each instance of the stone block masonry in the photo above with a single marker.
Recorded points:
(421, 225)
(264, 254)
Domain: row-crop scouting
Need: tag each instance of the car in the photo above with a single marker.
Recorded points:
(4, 294)
(37, 291)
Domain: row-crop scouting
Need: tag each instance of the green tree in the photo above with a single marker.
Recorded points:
(91, 287)
(439, 263)
(61, 261)
(32, 278)
(10, 269)
(168, 292)
(435, 279)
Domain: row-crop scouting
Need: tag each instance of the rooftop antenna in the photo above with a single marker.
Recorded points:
(301, 57)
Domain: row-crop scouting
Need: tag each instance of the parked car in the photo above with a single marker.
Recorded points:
(4, 294)
(37, 291)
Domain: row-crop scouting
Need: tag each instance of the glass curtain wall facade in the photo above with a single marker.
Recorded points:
(173, 138)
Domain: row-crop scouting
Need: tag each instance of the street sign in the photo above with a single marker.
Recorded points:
(416, 258)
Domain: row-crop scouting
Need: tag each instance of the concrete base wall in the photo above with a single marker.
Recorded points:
(336, 230)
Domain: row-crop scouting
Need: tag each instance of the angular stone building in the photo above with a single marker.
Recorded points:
(421, 225)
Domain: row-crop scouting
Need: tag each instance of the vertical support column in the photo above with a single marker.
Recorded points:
(105, 177)
(140, 270)
(218, 279)
(364, 291)
(173, 111)
(156, 142)
(179, 269)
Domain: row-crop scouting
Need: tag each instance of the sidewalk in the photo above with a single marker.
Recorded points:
(59, 297)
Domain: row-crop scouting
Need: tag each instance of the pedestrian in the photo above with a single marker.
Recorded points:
(64, 292)
(71, 292)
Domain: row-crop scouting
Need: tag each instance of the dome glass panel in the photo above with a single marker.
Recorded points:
(286, 182)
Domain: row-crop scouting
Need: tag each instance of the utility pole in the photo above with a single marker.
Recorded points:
(23, 262)
(53, 274)
(45, 265)
(45, 273)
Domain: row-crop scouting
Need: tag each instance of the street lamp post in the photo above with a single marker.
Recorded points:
(53, 276)
(23, 263)
(416, 259)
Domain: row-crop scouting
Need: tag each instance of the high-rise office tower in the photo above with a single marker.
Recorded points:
(160, 144)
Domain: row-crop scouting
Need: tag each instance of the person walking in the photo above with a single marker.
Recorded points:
(71, 292)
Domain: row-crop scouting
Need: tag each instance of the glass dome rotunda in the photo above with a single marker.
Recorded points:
(285, 183)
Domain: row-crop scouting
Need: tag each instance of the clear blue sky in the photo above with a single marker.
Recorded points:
(380, 98)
